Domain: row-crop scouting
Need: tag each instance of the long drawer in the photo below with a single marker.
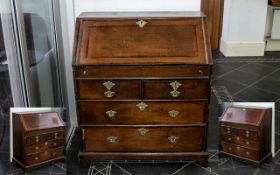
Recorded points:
(240, 151)
(44, 156)
(240, 141)
(129, 139)
(145, 112)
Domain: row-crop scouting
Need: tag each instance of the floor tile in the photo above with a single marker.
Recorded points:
(275, 75)
(257, 69)
(231, 86)
(219, 70)
(269, 85)
(240, 77)
(256, 95)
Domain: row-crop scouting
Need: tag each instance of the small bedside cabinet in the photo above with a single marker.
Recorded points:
(246, 133)
(38, 138)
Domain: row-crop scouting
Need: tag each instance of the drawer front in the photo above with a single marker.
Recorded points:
(44, 156)
(43, 138)
(240, 151)
(106, 89)
(44, 146)
(242, 133)
(176, 89)
(143, 71)
(142, 112)
(240, 141)
(167, 139)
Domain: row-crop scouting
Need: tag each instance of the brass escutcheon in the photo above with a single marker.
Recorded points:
(143, 131)
(141, 23)
(175, 85)
(173, 113)
(112, 139)
(173, 139)
(109, 94)
(109, 85)
(142, 106)
(111, 113)
(175, 93)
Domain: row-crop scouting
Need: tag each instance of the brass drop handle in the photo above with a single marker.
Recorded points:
(111, 113)
(175, 93)
(143, 131)
(173, 113)
(142, 106)
(173, 139)
(112, 139)
(37, 138)
(109, 94)
(247, 133)
(109, 85)
(141, 23)
(228, 130)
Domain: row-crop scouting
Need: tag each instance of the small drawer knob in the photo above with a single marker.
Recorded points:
(111, 113)
(54, 144)
(54, 153)
(84, 72)
(229, 148)
(229, 139)
(247, 133)
(237, 138)
(143, 131)
(238, 148)
(247, 153)
(36, 158)
(173, 139)
(36, 147)
(46, 152)
(46, 143)
(55, 135)
(247, 143)
(200, 71)
(112, 139)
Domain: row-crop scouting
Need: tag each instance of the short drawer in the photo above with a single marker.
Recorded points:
(240, 151)
(44, 156)
(240, 141)
(43, 138)
(242, 133)
(147, 71)
(167, 139)
(142, 112)
(176, 89)
(44, 146)
(108, 89)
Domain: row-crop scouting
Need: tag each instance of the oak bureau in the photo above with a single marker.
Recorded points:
(38, 138)
(142, 85)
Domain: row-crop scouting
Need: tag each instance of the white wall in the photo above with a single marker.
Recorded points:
(136, 5)
(244, 27)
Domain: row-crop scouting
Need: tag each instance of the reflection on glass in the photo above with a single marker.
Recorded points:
(41, 50)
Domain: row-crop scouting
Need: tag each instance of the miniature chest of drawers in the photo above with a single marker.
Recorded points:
(142, 86)
(246, 133)
(38, 138)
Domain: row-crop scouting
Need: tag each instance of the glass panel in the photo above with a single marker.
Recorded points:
(37, 23)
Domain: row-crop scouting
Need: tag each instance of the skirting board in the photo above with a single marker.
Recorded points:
(237, 49)
(272, 45)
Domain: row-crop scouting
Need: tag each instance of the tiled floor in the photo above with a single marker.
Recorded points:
(234, 79)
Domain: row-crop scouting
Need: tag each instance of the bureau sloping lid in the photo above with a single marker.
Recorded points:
(35, 121)
(141, 38)
(243, 115)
